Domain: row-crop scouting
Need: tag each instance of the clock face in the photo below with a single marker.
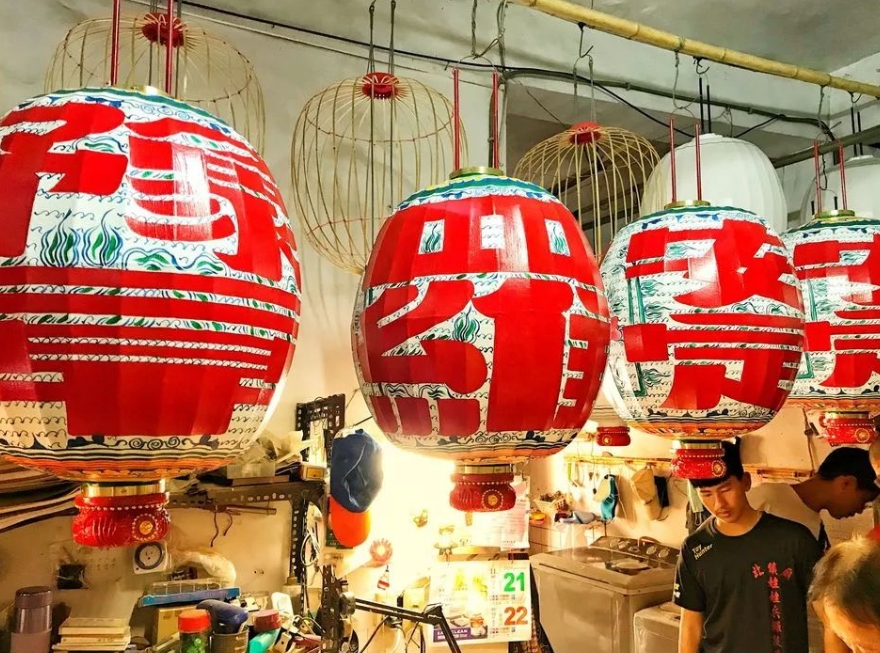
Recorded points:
(149, 556)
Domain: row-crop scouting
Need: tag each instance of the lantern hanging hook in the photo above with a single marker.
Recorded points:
(821, 172)
(371, 56)
(584, 54)
(676, 105)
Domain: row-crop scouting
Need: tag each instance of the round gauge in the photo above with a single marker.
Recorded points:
(149, 556)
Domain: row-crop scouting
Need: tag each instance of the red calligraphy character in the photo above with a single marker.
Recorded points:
(774, 597)
(515, 405)
(701, 374)
(777, 627)
(26, 156)
(757, 572)
(775, 612)
(459, 366)
(787, 573)
(773, 568)
(773, 582)
(858, 331)
(214, 191)
(734, 268)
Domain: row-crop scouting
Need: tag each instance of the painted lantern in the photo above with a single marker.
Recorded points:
(837, 260)
(149, 299)
(707, 328)
(480, 330)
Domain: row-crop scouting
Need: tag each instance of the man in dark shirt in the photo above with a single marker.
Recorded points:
(743, 576)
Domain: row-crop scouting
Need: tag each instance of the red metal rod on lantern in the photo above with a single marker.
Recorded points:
(114, 43)
(169, 49)
(816, 156)
(699, 167)
(495, 148)
(842, 176)
(672, 157)
(456, 118)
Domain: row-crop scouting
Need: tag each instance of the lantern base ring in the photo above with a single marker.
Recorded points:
(698, 460)
(483, 488)
(121, 515)
(848, 427)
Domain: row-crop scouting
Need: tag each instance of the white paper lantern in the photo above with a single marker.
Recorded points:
(735, 173)
(862, 182)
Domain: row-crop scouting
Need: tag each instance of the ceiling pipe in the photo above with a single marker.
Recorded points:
(871, 135)
(643, 34)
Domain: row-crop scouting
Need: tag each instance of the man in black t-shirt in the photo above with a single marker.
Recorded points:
(743, 576)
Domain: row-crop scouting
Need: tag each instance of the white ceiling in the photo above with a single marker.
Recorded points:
(825, 34)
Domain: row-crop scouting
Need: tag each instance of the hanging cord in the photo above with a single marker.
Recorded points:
(686, 108)
(574, 71)
(391, 39)
(822, 178)
(705, 106)
(371, 56)
(392, 109)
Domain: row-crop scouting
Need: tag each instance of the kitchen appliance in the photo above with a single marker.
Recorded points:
(655, 630)
(591, 594)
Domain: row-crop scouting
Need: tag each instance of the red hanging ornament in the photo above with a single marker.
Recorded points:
(149, 299)
(480, 330)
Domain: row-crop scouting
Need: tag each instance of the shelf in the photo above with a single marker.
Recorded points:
(760, 470)
(209, 496)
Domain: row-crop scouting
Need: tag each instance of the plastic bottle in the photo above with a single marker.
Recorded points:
(32, 621)
(195, 631)
(266, 628)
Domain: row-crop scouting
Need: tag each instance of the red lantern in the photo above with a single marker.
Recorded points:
(149, 299)
(480, 330)
(837, 259)
(707, 328)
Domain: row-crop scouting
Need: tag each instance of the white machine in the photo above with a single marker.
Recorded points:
(588, 596)
(655, 630)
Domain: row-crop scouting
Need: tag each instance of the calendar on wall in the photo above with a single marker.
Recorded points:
(484, 601)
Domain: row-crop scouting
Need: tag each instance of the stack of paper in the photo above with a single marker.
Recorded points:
(110, 635)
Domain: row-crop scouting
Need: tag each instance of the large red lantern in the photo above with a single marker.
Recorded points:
(837, 260)
(149, 299)
(480, 330)
(707, 328)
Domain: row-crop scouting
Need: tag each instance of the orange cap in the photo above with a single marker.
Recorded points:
(350, 528)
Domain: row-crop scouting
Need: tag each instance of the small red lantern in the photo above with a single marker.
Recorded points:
(480, 330)
(707, 328)
(149, 299)
(837, 260)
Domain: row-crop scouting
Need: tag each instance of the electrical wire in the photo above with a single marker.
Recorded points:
(474, 65)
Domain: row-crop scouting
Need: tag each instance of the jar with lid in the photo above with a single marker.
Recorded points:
(194, 627)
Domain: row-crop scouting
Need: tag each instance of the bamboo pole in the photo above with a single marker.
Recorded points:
(644, 34)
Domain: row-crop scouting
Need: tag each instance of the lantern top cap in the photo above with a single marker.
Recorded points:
(835, 215)
(143, 90)
(93, 490)
(685, 445)
(470, 171)
(685, 203)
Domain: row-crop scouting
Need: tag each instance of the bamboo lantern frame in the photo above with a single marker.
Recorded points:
(597, 172)
(360, 147)
(208, 73)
